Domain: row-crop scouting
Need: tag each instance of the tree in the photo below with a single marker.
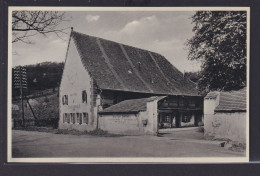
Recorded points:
(220, 44)
(30, 23)
(193, 76)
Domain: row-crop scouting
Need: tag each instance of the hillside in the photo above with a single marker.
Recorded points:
(44, 107)
(41, 76)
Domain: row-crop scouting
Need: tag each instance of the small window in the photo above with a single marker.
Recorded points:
(64, 118)
(68, 117)
(186, 118)
(84, 97)
(78, 117)
(65, 100)
(167, 118)
(73, 118)
(85, 118)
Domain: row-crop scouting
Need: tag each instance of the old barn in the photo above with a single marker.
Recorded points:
(105, 83)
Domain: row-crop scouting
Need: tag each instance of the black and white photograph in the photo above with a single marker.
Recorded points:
(117, 84)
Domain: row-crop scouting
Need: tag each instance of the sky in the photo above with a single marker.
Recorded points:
(162, 32)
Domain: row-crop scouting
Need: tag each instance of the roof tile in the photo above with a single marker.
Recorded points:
(232, 101)
(130, 106)
(127, 68)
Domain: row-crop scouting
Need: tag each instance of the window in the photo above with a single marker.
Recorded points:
(64, 118)
(79, 116)
(167, 119)
(186, 118)
(85, 118)
(84, 97)
(67, 118)
(65, 100)
(73, 118)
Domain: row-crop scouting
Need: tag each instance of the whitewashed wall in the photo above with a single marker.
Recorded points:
(75, 79)
(131, 124)
(226, 125)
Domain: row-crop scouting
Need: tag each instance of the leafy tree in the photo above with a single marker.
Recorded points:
(193, 76)
(220, 44)
(26, 24)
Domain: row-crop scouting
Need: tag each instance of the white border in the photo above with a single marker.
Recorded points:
(121, 159)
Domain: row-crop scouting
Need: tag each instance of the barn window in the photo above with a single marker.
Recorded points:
(79, 118)
(73, 118)
(84, 97)
(85, 117)
(186, 118)
(67, 118)
(65, 100)
(64, 118)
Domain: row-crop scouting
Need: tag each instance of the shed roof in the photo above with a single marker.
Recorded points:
(232, 101)
(130, 106)
(212, 95)
(116, 66)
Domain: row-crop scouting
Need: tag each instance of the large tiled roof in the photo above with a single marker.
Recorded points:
(130, 106)
(232, 101)
(115, 66)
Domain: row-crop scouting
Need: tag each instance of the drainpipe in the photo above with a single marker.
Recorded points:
(98, 106)
(97, 116)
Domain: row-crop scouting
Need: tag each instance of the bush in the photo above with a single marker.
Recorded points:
(201, 129)
(237, 147)
(96, 132)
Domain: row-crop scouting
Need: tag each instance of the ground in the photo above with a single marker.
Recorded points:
(185, 142)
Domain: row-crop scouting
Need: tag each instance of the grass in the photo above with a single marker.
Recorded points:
(237, 147)
(43, 107)
(96, 132)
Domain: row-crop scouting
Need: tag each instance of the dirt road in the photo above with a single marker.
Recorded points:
(187, 143)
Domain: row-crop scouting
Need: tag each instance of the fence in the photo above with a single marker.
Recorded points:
(48, 122)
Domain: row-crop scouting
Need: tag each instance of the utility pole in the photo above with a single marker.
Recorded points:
(20, 81)
(21, 93)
